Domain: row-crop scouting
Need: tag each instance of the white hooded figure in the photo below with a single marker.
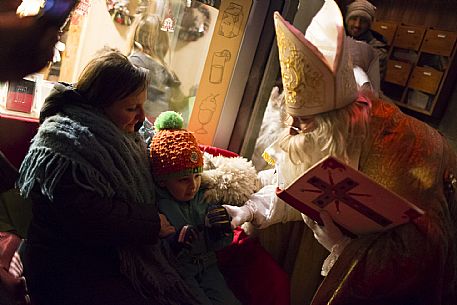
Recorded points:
(320, 88)
(330, 113)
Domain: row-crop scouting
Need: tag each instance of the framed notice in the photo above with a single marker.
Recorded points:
(20, 95)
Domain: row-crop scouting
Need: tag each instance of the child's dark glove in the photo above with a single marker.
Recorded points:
(217, 219)
(183, 238)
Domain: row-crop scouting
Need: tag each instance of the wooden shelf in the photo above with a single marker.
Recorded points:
(421, 69)
(417, 109)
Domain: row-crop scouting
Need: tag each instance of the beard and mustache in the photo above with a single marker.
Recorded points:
(340, 133)
(301, 151)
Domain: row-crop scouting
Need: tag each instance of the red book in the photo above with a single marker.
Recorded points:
(20, 95)
(357, 204)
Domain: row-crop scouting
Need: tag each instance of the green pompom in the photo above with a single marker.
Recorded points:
(168, 120)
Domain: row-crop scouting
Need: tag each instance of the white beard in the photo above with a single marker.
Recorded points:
(339, 133)
(301, 152)
(271, 129)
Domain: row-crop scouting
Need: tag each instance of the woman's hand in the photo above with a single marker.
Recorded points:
(166, 228)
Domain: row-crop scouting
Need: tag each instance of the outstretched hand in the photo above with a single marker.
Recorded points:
(239, 215)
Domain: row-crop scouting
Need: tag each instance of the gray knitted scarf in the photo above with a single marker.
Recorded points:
(115, 166)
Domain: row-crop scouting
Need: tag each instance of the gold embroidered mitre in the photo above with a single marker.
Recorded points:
(316, 67)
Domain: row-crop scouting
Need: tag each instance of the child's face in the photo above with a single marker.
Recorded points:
(183, 188)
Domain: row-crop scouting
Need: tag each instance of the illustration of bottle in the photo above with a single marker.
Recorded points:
(217, 66)
(231, 21)
(205, 112)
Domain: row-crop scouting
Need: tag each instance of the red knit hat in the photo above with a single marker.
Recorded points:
(174, 151)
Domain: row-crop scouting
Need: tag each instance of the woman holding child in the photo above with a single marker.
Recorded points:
(94, 237)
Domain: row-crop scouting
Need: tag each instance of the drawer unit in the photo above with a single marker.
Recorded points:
(439, 42)
(397, 72)
(425, 79)
(409, 37)
(386, 29)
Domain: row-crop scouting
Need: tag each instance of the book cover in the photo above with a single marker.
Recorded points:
(357, 204)
(20, 95)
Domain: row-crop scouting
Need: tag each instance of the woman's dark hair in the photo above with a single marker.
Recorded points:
(110, 77)
(107, 78)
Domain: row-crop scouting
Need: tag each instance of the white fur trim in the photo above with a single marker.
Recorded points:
(229, 180)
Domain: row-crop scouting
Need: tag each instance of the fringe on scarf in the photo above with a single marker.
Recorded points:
(49, 167)
(113, 164)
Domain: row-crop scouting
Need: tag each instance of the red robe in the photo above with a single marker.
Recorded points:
(414, 263)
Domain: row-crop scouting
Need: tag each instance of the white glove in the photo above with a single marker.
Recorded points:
(239, 215)
(328, 235)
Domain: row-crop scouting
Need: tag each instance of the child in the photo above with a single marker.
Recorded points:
(177, 162)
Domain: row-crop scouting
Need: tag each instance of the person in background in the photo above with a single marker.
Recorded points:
(13, 216)
(26, 43)
(150, 48)
(201, 228)
(359, 17)
(26, 46)
(366, 65)
(414, 263)
(94, 235)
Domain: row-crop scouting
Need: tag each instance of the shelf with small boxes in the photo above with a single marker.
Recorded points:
(421, 67)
